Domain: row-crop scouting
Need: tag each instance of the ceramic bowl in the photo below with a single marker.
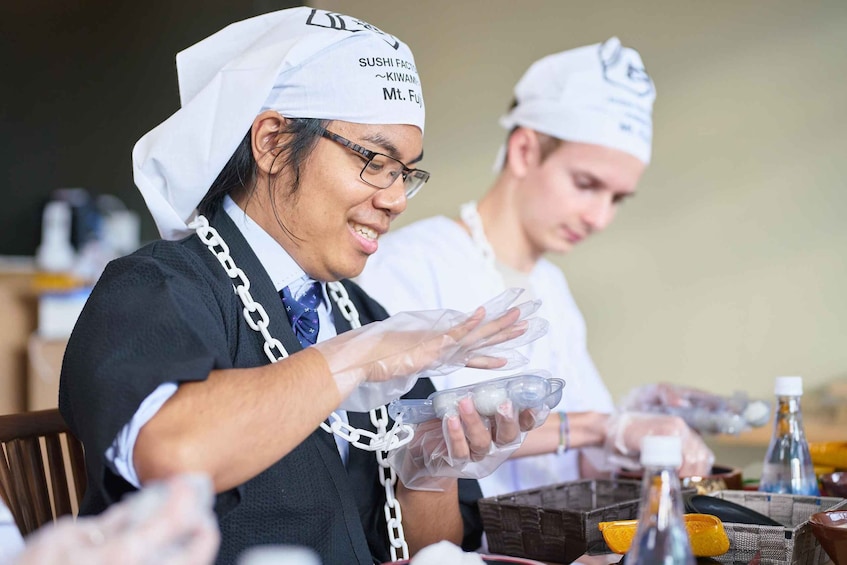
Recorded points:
(721, 478)
(834, 484)
(831, 530)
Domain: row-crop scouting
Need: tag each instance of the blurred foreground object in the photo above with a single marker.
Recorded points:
(168, 523)
(11, 542)
(703, 411)
(279, 555)
(708, 538)
(661, 536)
(830, 528)
(444, 552)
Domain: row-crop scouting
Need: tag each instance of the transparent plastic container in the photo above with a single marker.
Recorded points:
(535, 391)
(661, 537)
(788, 466)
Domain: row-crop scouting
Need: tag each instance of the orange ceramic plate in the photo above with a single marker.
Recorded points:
(708, 538)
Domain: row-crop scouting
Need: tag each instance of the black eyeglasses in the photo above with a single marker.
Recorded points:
(381, 170)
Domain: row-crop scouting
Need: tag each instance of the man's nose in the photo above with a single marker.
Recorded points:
(392, 199)
(600, 213)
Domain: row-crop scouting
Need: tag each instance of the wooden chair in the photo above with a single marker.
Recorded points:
(41, 476)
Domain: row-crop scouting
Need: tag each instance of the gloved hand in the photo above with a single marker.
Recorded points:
(625, 430)
(669, 395)
(464, 443)
(169, 523)
(381, 361)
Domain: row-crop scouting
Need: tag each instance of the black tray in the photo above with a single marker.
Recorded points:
(727, 511)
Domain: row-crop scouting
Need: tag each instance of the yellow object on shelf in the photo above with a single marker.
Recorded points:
(708, 538)
(56, 282)
(829, 454)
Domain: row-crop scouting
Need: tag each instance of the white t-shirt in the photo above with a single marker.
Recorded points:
(433, 264)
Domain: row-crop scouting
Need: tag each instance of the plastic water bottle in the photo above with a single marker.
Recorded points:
(661, 537)
(788, 466)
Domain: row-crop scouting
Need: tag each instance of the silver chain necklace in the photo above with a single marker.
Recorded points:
(383, 440)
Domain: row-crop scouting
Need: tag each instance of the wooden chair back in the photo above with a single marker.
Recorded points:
(42, 468)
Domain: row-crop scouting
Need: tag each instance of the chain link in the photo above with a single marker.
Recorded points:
(383, 440)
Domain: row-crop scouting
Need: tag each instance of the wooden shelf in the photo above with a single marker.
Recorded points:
(817, 430)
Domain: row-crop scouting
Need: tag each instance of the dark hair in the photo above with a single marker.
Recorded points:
(548, 142)
(241, 172)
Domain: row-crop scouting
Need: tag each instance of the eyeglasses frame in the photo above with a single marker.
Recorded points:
(370, 155)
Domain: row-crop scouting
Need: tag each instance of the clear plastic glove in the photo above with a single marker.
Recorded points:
(464, 444)
(169, 523)
(625, 430)
(459, 446)
(706, 412)
(381, 361)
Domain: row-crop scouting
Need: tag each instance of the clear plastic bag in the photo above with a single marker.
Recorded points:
(704, 412)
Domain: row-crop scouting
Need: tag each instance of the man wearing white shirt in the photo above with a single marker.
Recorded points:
(579, 139)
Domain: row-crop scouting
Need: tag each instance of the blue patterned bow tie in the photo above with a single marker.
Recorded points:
(303, 313)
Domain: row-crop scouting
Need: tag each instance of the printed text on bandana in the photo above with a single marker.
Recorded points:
(340, 22)
(395, 71)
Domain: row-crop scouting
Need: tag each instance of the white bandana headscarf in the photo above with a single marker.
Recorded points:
(301, 62)
(597, 94)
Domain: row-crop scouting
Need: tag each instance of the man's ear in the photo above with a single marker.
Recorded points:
(524, 151)
(266, 139)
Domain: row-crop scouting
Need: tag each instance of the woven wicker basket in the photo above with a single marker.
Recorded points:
(559, 522)
(794, 544)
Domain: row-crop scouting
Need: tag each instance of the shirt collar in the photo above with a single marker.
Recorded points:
(280, 266)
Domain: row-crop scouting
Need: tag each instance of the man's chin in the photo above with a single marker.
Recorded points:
(348, 271)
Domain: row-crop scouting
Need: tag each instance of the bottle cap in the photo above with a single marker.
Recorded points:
(661, 451)
(788, 386)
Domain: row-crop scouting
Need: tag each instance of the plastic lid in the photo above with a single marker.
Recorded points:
(661, 451)
(788, 386)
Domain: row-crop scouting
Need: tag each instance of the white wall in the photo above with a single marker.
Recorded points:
(729, 267)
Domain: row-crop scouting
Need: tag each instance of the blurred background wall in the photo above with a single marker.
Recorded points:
(728, 268)
(82, 81)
